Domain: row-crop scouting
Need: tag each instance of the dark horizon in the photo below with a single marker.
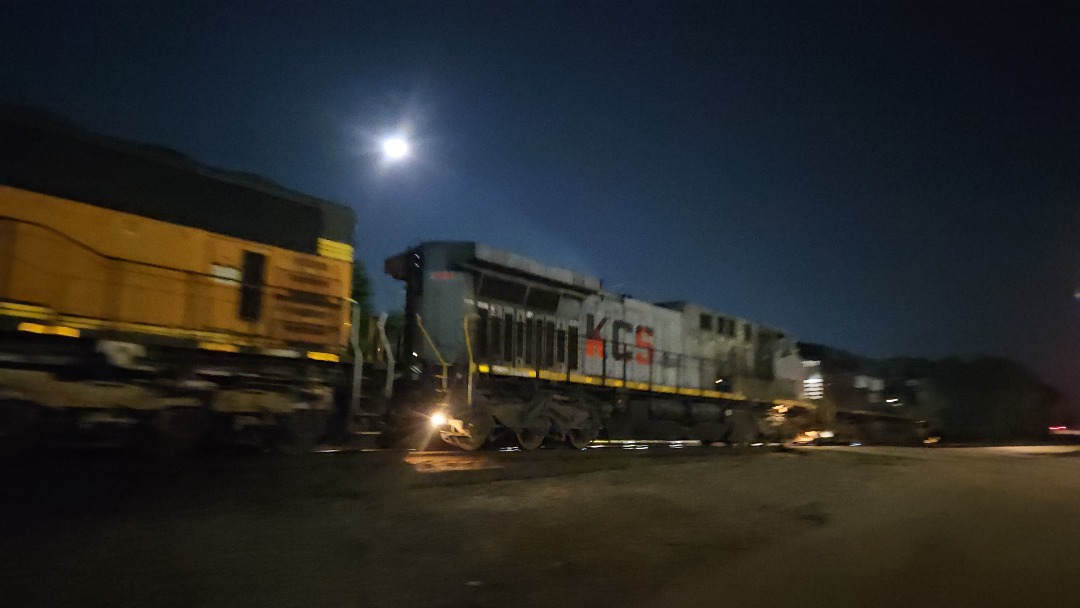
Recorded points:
(887, 180)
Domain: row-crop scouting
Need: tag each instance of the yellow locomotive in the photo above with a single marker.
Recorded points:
(144, 295)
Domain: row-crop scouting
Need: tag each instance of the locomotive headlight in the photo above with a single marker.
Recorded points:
(438, 419)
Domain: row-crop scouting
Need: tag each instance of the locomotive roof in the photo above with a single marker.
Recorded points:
(44, 153)
(509, 259)
(472, 254)
(684, 306)
(469, 254)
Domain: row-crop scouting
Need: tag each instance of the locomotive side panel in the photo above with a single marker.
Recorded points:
(662, 366)
(71, 259)
(635, 342)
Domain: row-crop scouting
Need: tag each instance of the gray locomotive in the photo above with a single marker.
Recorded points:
(498, 345)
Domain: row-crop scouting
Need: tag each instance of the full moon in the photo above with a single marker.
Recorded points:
(395, 148)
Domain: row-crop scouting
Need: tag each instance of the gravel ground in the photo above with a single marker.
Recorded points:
(658, 527)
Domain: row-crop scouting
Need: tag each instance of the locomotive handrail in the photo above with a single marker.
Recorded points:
(115, 267)
(388, 388)
(472, 365)
(358, 368)
(442, 362)
(113, 258)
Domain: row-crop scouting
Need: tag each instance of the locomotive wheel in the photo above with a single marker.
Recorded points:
(709, 433)
(530, 438)
(743, 431)
(581, 438)
(18, 426)
(176, 431)
(300, 431)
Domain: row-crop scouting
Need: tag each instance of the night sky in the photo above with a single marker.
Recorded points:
(889, 180)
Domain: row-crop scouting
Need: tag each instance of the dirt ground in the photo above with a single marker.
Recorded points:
(629, 528)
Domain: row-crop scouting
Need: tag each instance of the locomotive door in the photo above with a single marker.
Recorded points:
(545, 342)
(573, 346)
(500, 335)
(522, 330)
(562, 346)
